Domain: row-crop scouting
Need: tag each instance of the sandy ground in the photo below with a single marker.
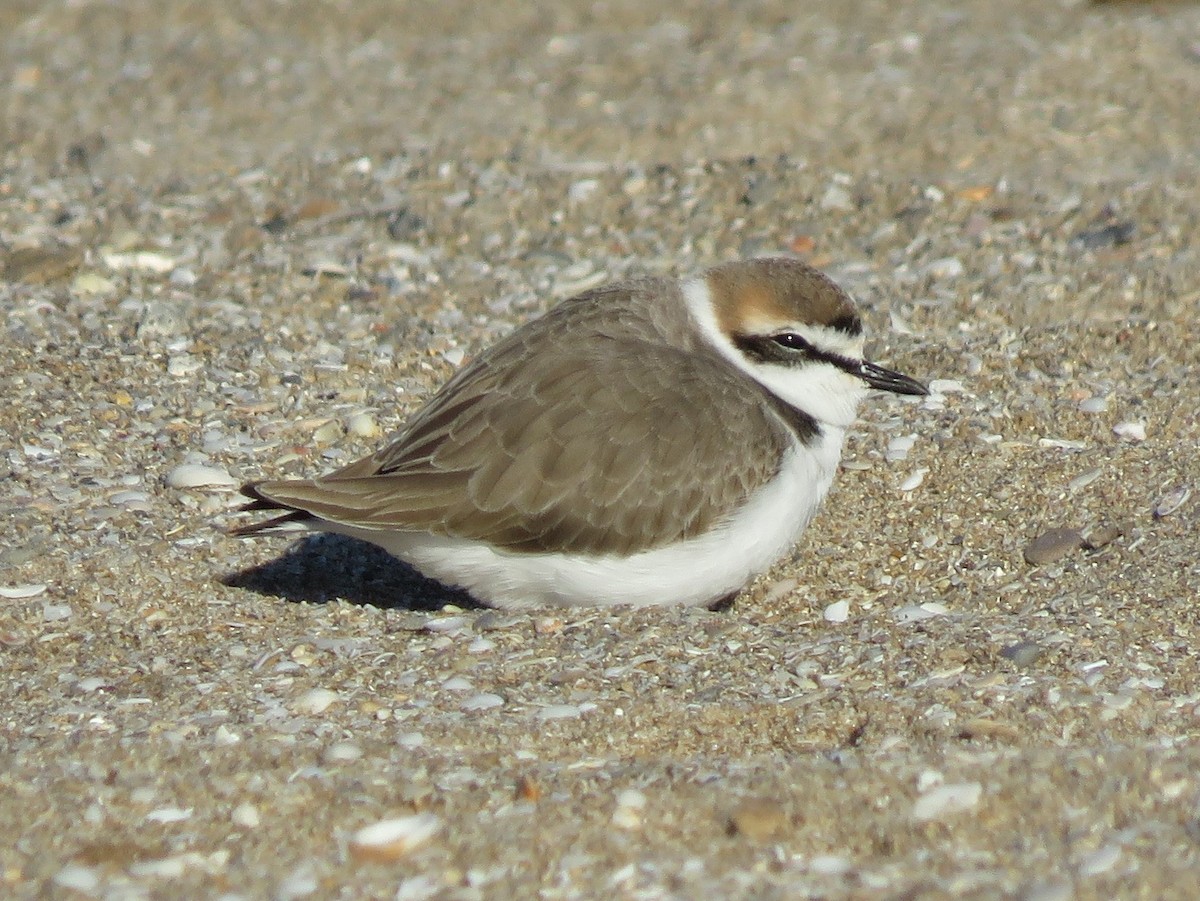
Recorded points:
(250, 237)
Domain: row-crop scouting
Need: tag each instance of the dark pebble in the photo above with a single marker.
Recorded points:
(1051, 545)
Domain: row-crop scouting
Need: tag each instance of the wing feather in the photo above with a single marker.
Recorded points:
(609, 445)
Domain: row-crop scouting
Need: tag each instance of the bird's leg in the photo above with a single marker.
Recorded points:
(721, 604)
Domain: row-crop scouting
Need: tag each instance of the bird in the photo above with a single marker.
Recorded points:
(655, 441)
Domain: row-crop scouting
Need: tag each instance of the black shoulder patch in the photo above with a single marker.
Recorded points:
(850, 324)
(803, 425)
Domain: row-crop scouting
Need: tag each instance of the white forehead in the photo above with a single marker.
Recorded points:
(833, 340)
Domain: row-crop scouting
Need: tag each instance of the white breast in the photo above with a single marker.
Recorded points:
(693, 572)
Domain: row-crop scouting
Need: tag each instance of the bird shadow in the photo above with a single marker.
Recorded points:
(326, 567)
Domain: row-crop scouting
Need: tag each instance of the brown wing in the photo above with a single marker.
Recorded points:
(613, 447)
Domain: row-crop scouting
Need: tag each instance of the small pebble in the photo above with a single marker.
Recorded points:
(759, 819)
(77, 877)
(1172, 501)
(1100, 861)
(181, 365)
(496, 621)
(1109, 235)
(481, 646)
(1098, 536)
(900, 325)
(945, 268)
(331, 268)
(1051, 890)
(224, 736)
(830, 865)
(628, 812)
(130, 498)
(445, 624)
(632, 798)
(914, 613)
(342, 752)
(193, 475)
(245, 815)
(914, 481)
(169, 815)
(898, 447)
(39, 265)
(1130, 431)
(390, 840)
(482, 701)
(417, 888)
(1062, 443)
(780, 590)
(837, 198)
(1051, 545)
(406, 621)
(559, 712)
(1022, 653)
(987, 728)
(837, 612)
(1084, 479)
(327, 432)
(635, 184)
(300, 883)
(304, 654)
(1094, 405)
(1119, 701)
(946, 800)
(17, 554)
(363, 425)
(145, 260)
(183, 277)
(20, 592)
(527, 789)
(315, 701)
(55, 613)
(581, 190)
(165, 867)
(92, 283)
(928, 779)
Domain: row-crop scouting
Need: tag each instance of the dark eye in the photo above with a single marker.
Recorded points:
(791, 341)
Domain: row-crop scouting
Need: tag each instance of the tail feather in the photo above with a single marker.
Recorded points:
(259, 501)
(292, 520)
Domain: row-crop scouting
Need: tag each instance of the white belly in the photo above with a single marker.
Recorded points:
(698, 571)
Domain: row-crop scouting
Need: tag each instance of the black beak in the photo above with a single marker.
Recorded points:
(887, 379)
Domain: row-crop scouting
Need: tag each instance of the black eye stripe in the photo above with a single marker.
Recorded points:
(770, 349)
(792, 341)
